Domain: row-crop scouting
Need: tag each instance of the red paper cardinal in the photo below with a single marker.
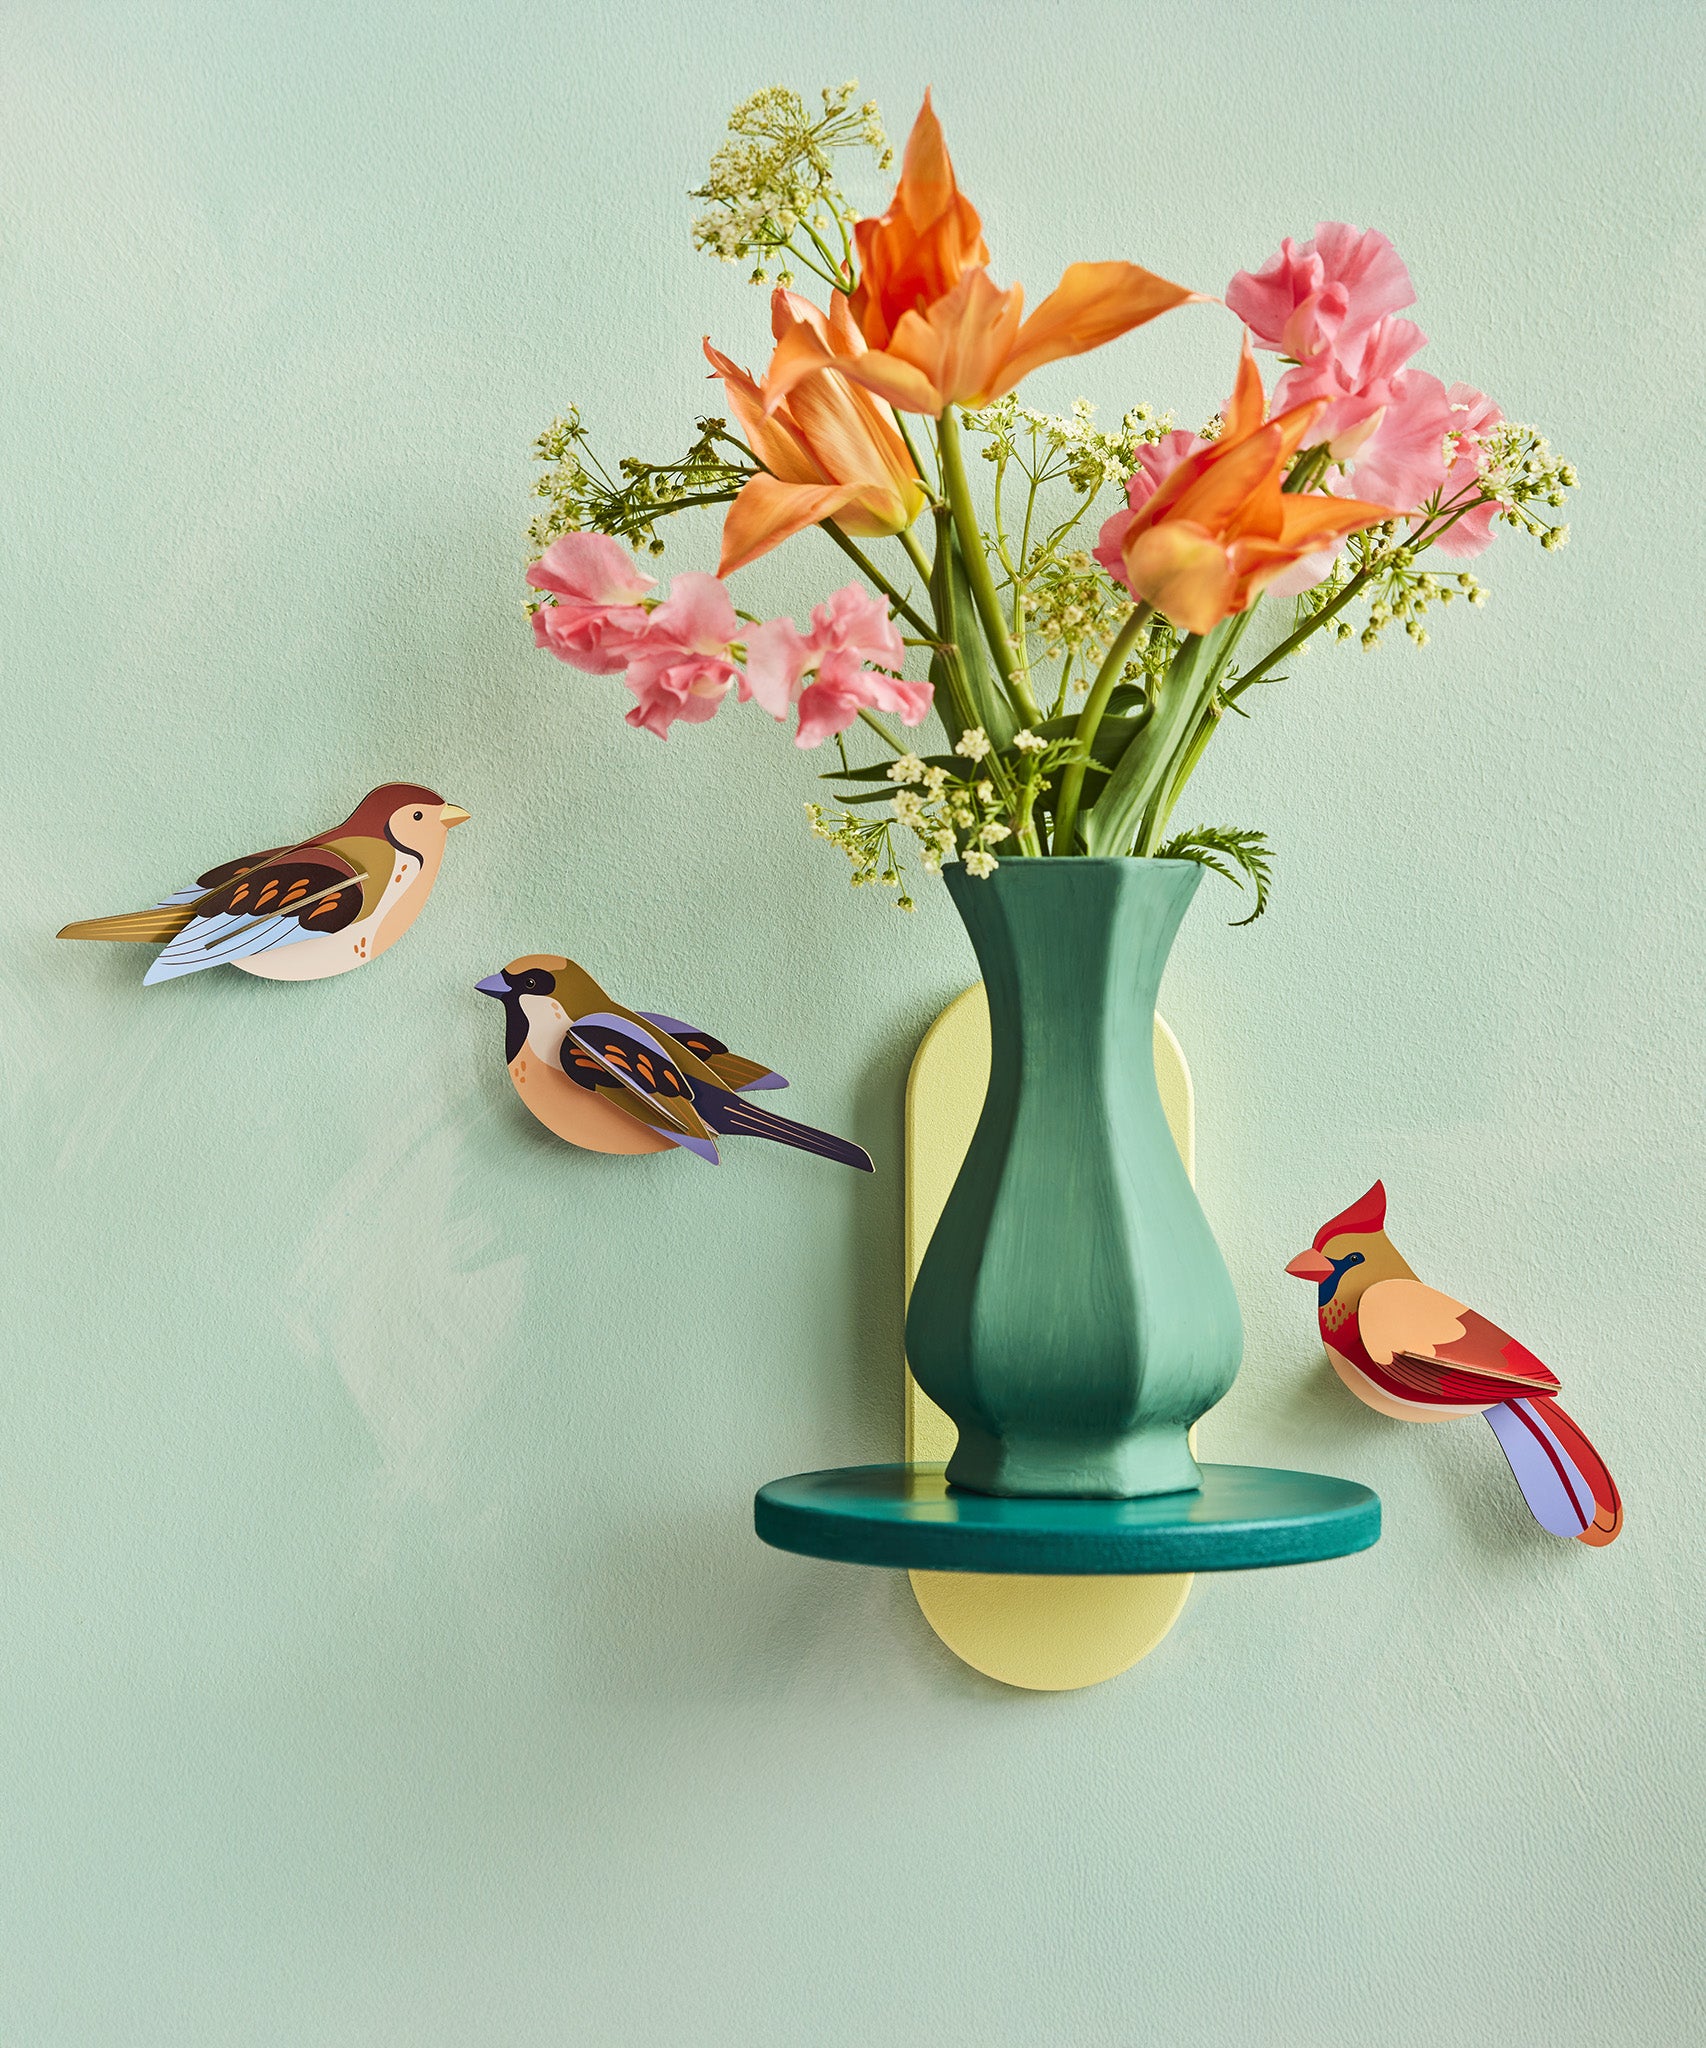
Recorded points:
(1417, 1354)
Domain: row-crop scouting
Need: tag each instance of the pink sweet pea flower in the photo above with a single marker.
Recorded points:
(1359, 383)
(843, 689)
(851, 621)
(679, 666)
(1156, 461)
(597, 585)
(777, 657)
(1382, 419)
(1473, 415)
(1323, 296)
(849, 630)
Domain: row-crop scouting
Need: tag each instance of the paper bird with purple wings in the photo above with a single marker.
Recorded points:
(610, 1079)
(1410, 1352)
(305, 910)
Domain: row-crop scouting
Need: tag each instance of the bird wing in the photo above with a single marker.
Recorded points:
(645, 1074)
(298, 894)
(729, 1067)
(169, 916)
(373, 860)
(1436, 1349)
(226, 871)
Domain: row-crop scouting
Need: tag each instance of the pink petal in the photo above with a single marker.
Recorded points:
(824, 709)
(1322, 297)
(1370, 269)
(668, 689)
(1110, 544)
(776, 658)
(596, 638)
(851, 619)
(591, 567)
(1304, 574)
(1403, 461)
(843, 689)
(697, 615)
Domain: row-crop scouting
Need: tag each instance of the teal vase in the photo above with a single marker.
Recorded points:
(1073, 1314)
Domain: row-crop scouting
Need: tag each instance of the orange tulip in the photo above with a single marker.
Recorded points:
(919, 250)
(832, 451)
(939, 330)
(1220, 528)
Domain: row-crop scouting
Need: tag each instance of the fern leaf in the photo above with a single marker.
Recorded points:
(1217, 845)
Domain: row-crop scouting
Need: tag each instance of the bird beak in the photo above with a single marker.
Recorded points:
(493, 985)
(452, 814)
(1310, 1266)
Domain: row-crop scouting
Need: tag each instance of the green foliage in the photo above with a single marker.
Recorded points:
(1215, 846)
(581, 495)
(1051, 469)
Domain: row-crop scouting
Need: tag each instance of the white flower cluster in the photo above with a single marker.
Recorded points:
(1518, 468)
(868, 843)
(1072, 605)
(771, 190)
(1067, 444)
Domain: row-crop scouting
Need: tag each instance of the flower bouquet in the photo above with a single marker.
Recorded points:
(1080, 628)
(1079, 648)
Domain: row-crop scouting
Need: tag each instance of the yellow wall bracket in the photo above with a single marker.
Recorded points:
(1046, 1634)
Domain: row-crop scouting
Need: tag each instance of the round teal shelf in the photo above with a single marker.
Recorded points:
(1242, 1518)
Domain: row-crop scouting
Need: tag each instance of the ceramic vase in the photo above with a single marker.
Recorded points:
(1073, 1314)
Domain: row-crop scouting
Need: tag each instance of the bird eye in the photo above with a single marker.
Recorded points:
(419, 815)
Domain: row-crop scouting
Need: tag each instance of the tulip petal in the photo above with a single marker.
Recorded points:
(919, 249)
(902, 384)
(1311, 518)
(1092, 304)
(1247, 407)
(1184, 572)
(962, 344)
(790, 309)
(771, 437)
(769, 511)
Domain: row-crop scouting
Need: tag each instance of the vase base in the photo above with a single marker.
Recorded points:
(1150, 1461)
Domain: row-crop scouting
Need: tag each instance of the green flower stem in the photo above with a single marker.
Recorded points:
(1089, 721)
(915, 553)
(855, 553)
(838, 273)
(1424, 537)
(911, 447)
(1025, 833)
(1195, 741)
(978, 578)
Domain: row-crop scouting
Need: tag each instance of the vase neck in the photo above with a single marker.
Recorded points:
(1079, 939)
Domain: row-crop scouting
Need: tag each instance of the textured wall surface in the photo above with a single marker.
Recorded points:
(387, 1656)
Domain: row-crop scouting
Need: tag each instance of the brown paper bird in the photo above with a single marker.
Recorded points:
(300, 912)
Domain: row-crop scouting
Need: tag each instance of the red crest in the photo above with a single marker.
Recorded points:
(1366, 1214)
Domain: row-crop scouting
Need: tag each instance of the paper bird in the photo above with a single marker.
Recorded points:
(615, 1080)
(1416, 1354)
(300, 912)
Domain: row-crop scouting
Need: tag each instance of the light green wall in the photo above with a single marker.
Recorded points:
(385, 1656)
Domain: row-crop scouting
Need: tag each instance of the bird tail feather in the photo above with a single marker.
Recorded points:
(1563, 1478)
(151, 927)
(739, 1118)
